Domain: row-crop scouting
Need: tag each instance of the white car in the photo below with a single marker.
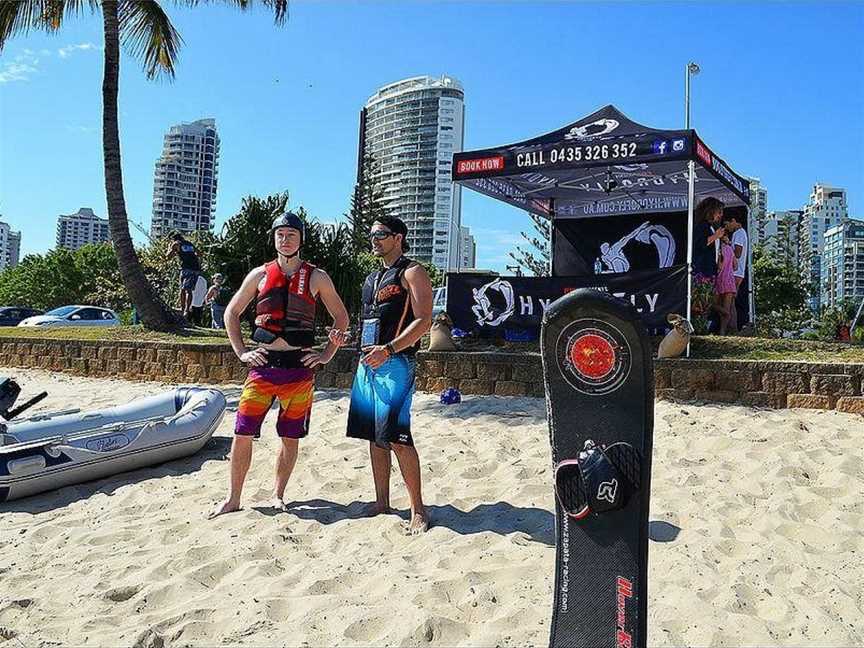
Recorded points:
(74, 316)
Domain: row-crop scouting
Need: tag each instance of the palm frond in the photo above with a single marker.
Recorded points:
(18, 17)
(279, 7)
(57, 10)
(147, 32)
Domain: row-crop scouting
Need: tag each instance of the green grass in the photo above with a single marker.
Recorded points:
(114, 334)
(708, 347)
(747, 348)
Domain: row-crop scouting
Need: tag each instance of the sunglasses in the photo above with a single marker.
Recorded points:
(380, 235)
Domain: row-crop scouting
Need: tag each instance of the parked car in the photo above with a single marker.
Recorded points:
(74, 316)
(11, 315)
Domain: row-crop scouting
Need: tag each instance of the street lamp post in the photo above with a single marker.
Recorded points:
(692, 69)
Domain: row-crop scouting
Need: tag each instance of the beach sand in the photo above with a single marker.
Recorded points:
(757, 519)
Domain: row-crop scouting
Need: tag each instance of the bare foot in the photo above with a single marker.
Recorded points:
(225, 507)
(278, 503)
(419, 524)
(374, 508)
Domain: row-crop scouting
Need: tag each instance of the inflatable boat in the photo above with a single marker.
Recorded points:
(53, 450)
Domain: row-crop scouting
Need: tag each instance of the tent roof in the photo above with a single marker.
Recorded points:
(602, 164)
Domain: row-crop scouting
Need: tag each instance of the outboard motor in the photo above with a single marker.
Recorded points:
(9, 392)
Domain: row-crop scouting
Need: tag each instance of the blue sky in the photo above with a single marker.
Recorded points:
(781, 96)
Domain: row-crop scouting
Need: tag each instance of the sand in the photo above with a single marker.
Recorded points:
(757, 520)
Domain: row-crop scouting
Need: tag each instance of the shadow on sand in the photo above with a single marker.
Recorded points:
(501, 518)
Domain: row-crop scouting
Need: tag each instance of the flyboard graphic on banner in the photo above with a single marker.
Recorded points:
(492, 306)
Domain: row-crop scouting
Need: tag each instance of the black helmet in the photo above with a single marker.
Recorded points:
(289, 219)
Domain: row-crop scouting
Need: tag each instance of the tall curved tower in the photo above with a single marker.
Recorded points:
(412, 128)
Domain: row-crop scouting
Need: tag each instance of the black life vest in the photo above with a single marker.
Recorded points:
(223, 296)
(385, 297)
(286, 306)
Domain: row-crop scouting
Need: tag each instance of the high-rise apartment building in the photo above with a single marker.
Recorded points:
(826, 209)
(843, 264)
(411, 128)
(780, 235)
(81, 228)
(467, 249)
(10, 246)
(184, 186)
(758, 211)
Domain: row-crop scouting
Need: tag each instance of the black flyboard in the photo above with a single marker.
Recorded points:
(599, 379)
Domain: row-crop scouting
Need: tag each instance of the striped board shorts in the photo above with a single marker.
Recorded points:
(292, 387)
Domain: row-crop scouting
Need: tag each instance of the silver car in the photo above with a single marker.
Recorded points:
(74, 316)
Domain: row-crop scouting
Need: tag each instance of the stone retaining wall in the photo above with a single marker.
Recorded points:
(756, 383)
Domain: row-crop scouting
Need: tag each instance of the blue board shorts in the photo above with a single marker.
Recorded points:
(188, 279)
(380, 409)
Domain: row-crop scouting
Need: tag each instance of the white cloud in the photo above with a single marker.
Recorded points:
(67, 51)
(16, 71)
(45, 52)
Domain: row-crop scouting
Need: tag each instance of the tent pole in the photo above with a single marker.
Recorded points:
(750, 296)
(691, 189)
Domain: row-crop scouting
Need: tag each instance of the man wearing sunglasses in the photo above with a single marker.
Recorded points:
(397, 312)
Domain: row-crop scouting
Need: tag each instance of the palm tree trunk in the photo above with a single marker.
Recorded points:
(153, 313)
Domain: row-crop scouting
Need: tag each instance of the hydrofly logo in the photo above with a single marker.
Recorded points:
(624, 591)
(487, 312)
(594, 129)
(608, 490)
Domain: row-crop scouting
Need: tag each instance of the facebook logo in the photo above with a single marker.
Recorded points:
(678, 145)
(660, 147)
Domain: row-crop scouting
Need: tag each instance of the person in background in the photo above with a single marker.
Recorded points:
(218, 297)
(707, 231)
(740, 243)
(724, 283)
(196, 307)
(190, 268)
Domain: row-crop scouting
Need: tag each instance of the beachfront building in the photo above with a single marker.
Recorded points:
(411, 128)
(826, 209)
(184, 186)
(758, 211)
(81, 228)
(780, 235)
(467, 249)
(843, 264)
(10, 246)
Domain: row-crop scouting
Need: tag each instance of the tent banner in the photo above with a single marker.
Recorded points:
(625, 243)
(512, 307)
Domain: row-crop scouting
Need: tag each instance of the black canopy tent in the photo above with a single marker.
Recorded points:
(601, 166)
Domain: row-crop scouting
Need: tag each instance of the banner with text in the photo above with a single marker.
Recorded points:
(512, 307)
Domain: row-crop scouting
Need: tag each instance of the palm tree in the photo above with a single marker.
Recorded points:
(144, 27)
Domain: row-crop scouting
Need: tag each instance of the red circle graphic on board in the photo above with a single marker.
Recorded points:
(593, 356)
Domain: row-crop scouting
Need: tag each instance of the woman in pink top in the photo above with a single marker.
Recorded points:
(724, 283)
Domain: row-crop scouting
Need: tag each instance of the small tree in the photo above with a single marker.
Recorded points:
(536, 256)
(367, 204)
(781, 295)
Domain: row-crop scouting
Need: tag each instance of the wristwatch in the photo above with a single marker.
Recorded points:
(390, 349)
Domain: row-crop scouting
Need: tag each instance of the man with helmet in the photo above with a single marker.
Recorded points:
(397, 312)
(285, 292)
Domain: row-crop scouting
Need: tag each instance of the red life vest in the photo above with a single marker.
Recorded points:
(285, 305)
